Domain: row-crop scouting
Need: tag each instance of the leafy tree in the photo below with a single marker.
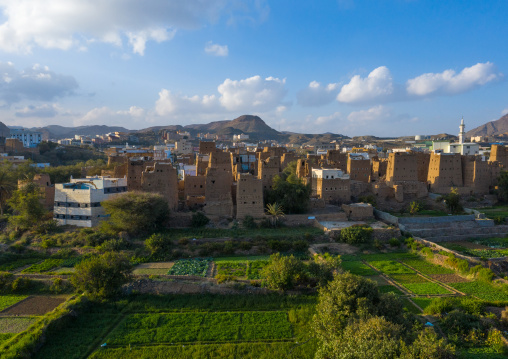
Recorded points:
(291, 193)
(502, 186)
(452, 201)
(159, 246)
(136, 213)
(428, 346)
(102, 276)
(199, 220)
(324, 267)
(28, 211)
(283, 272)
(415, 207)
(276, 213)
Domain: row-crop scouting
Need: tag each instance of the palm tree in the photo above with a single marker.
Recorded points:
(276, 212)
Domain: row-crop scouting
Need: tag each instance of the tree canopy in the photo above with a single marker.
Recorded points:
(289, 192)
(136, 213)
(28, 210)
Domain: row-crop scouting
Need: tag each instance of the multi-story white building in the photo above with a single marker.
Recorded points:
(78, 202)
(27, 137)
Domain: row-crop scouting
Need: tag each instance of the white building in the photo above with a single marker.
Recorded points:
(27, 137)
(78, 202)
(329, 173)
(240, 137)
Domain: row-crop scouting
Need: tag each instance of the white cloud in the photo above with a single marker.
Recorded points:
(376, 86)
(59, 24)
(134, 117)
(35, 83)
(323, 120)
(252, 94)
(372, 114)
(504, 112)
(317, 95)
(216, 49)
(448, 82)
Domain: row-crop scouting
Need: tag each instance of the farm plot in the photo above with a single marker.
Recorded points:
(422, 302)
(390, 289)
(44, 266)
(481, 290)
(8, 300)
(358, 268)
(448, 278)
(160, 268)
(428, 288)
(236, 269)
(18, 263)
(208, 327)
(36, 305)
(193, 267)
(75, 340)
(426, 267)
(254, 269)
(15, 325)
(391, 267)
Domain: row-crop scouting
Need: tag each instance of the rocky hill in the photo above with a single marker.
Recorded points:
(58, 132)
(492, 128)
(4, 130)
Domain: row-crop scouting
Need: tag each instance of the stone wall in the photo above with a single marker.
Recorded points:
(249, 197)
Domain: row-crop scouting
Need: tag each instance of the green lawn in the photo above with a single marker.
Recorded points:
(481, 290)
(391, 267)
(358, 268)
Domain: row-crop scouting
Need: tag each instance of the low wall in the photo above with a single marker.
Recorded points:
(444, 219)
(387, 217)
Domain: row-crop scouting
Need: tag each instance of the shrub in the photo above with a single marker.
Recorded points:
(282, 272)
(159, 246)
(427, 252)
(499, 220)
(183, 241)
(57, 286)
(221, 278)
(394, 242)
(300, 245)
(199, 220)
(356, 234)
(6, 279)
(114, 245)
(21, 283)
(248, 222)
(378, 244)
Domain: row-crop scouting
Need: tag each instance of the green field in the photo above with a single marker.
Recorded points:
(481, 290)
(145, 326)
(8, 300)
(15, 324)
(428, 288)
(426, 267)
(358, 268)
(194, 267)
(237, 269)
(17, 263)
(391, 267)
(44, 266)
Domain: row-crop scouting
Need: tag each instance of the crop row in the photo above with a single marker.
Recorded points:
(195, 266)
(191, 327)
(15, 325)
(481, 290)
(248, 269)
(358, 268)
(426, 267)
(44, 266)
(18, 263)
(391, 267)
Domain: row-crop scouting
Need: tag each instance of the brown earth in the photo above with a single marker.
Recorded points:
(470, 245)
(448, 278)
(36, 305)
(157, 265)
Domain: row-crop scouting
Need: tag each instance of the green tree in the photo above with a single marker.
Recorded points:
(28, 210)
(428, 346)
(199, 219)
(452, 201)
(415, 207)
(356, 234)
(102, 276)
(290, 192)
(136, 213)
(159, 246)
(276, 213)
(283, 272)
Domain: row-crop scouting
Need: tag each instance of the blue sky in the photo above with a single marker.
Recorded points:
(386, 68)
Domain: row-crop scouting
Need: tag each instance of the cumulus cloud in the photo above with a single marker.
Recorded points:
(253, 94)
(372, 114)
(216, 49)
(134, 117)
(317, 95)
(377, 85)
(44, 111)
(449, 82)
(64, 25)
(35, 83)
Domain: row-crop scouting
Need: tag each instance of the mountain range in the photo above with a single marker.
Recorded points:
(492, 128)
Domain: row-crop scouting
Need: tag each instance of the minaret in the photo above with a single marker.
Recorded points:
(462, 133)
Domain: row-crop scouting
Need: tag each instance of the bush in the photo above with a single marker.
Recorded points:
(356, 234)
(499, 220)
(199, 220)
(58, 286)
(221, 278)
(300, 245)
(6, 279)
(394, 242)
(159, 246)
(114, 245)
(21, 283)
(102, 276)
(248, 222)
(427, 252)
(283, 272)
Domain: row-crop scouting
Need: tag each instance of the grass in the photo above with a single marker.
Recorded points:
(497, 211)
(15, 325)
(428, 288)
(241, 258)
(150, 271)
(410, 306)
(422, 302)
(254, 269)
(408, 278)
(481, 290)
(195, 267)
(391, 267)
(44, 266)
(5, 336)
(8, 300)
(426, 267)
(358, 268)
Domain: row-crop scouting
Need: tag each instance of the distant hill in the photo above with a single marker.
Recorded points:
(58, 132)
(492, 128)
